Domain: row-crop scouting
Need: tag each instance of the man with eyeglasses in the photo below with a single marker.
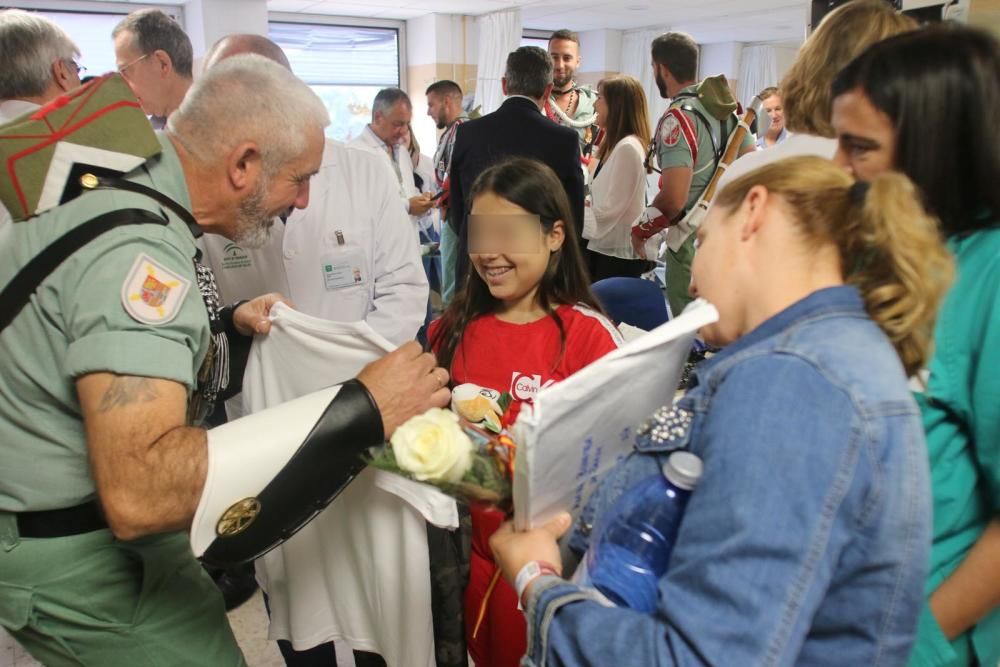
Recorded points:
(39, 66)
(154, 56)
(39, 63)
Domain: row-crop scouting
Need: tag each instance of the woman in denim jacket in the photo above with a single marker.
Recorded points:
(806, 540)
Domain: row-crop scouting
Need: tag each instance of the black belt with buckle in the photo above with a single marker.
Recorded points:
(85, 518)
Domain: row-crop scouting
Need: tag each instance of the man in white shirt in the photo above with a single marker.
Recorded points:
(349, 256)
(39, 66)
(154, 56)
(385, 136)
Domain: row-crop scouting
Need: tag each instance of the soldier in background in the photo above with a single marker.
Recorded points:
(688, 144)
(571, 104)
(444, 105)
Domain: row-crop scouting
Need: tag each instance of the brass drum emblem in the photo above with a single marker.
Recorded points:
(238, 517)
(89, 181)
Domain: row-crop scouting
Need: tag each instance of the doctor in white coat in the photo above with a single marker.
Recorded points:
(385, 136)
(350, 255)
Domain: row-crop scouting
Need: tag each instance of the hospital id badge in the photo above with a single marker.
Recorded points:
(342, 268)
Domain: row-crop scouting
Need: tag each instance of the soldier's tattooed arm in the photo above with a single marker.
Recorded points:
(125, 390)
(148, 465)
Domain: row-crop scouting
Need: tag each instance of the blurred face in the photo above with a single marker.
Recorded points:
(774, 111)
(601, 107)
(509, 249)
(714, 277)
(142, 73)
(866, 138)
(438, 109)
(391, 127)
(565, 61)
(277, 194)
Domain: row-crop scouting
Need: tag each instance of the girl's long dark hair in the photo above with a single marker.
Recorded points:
(534, 187)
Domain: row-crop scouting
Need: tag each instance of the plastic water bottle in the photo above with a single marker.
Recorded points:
(633, 548)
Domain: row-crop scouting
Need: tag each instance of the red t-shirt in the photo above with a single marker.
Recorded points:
(520, 359)
(523, 358)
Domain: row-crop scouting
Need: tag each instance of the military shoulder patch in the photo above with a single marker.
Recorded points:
(152, 293)
(671, 132)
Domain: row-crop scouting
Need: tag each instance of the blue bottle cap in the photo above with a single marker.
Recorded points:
(683, 470)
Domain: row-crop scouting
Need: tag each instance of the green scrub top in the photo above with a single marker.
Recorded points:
(961, 414)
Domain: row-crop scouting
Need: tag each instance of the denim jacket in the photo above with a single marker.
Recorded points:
(806, 540)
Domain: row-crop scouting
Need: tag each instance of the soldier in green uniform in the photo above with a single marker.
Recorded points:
(688, 143)
(111, 362)
(571, 104)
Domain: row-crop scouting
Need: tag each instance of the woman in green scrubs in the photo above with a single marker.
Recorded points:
(927, 103)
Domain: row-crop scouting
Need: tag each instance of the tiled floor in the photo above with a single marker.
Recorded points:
(249, 625)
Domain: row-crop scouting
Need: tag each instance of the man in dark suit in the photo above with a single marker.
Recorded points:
(517, 128)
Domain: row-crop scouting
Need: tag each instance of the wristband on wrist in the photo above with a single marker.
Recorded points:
(531, 571)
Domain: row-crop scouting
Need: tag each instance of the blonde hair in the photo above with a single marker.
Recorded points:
(890, 248)
(842, 35)
(627, 112)
(414, 148)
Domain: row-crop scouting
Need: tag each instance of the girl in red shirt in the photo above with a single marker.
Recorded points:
(524, 319)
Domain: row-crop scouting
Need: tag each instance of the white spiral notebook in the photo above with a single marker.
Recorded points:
(576, 430)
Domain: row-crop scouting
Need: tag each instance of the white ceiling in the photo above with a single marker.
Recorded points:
(708, 21)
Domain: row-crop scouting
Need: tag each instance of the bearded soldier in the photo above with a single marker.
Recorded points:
(687, 145)
(570, 104)
(115, 349)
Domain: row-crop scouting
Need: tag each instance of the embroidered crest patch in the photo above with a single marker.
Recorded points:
(671, 133)
(152, 293)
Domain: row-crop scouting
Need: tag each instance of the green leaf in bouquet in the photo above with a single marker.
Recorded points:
(504, 401)
(492, 422)
(383, 458)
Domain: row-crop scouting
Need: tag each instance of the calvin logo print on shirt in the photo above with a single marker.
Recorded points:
(524, 387)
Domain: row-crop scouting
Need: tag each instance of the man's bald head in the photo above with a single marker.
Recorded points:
(234, 45)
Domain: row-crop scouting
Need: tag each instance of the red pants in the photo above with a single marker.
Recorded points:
(502, 638)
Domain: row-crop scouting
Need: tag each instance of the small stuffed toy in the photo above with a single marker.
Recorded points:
(478, 405)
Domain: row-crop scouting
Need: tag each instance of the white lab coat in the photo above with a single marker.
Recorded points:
(385, 283)
(369, 141)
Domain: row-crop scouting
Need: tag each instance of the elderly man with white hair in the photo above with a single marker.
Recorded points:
(354, 220)
(39, 62)
(115, 357)
(39, 65)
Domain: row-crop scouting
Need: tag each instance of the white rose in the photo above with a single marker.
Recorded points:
(433, 446)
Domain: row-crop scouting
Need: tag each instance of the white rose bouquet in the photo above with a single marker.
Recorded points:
(433, 447)
(462, 459)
